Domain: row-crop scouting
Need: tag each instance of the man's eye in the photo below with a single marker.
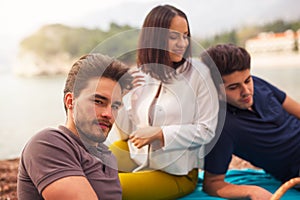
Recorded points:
(115, 107)
(248, 81)
(232, 87)
(97, 101)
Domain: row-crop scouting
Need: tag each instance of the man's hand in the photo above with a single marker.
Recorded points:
(146, 136)
(214, 185)
(258, 193)
(138, 78)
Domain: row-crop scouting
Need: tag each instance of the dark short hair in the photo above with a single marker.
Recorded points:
(225, 59)
(96, 65)
(228, 58)
(153, 42)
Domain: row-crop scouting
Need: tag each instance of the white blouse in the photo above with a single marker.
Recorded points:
(186, 110)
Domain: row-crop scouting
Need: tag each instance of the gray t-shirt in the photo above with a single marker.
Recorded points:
(56, 153)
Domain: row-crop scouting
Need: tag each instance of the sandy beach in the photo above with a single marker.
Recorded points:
(8, 179)
(9, 170)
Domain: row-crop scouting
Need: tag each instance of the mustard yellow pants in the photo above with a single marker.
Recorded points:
(150, 184)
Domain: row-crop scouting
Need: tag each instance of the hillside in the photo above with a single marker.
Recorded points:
(53, 48)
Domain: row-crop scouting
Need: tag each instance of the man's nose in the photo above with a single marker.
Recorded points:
(245, 89)
(107, 112)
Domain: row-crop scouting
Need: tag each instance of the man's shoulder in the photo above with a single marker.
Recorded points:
(50, 141)
(48, 132)
(264, 87)
(259, 80)
(51, 135)
(261, 84)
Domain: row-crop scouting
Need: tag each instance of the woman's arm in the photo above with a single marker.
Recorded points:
(199, 109)
(146, 136)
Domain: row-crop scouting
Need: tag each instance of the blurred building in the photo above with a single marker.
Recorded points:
(285, 42)
(298, 40)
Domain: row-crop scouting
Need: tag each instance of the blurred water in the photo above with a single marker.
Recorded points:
(30, 104)
(286, 79)
(26, 106)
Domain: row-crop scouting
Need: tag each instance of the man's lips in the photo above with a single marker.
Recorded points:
(105, 125)
(246, 100)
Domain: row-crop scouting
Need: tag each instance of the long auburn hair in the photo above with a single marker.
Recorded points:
(152, 54)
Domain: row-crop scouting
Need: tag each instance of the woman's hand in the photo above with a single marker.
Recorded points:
(138, 78)
(147, 136)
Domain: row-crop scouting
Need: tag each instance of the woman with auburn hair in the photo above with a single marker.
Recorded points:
(169, 115)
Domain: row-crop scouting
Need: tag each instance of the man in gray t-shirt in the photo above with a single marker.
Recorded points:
(71, 162)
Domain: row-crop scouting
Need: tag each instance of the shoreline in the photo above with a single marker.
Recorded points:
(260, 60)
(9, 171)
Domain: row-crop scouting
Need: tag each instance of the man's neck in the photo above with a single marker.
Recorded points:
(72, 127)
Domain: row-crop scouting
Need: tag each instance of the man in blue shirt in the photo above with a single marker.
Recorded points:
(261, 126)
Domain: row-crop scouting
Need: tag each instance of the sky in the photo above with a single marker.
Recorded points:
(19, 19)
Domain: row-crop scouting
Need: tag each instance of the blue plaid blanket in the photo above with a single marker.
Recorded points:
(244, 176)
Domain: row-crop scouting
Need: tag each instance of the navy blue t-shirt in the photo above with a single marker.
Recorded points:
(268, 138)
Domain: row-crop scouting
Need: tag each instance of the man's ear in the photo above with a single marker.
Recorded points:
(69, 99)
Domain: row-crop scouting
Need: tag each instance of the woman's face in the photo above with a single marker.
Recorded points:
(178, 38)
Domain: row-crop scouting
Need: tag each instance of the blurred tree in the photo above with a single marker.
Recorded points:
(121, 41)
(239, 36)
(55, 39)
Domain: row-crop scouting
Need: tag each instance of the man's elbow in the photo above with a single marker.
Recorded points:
(205, 188)
(208, 188)
(212, 185)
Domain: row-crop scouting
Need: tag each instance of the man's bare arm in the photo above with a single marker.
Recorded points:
(215, 185)
(71, 187)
